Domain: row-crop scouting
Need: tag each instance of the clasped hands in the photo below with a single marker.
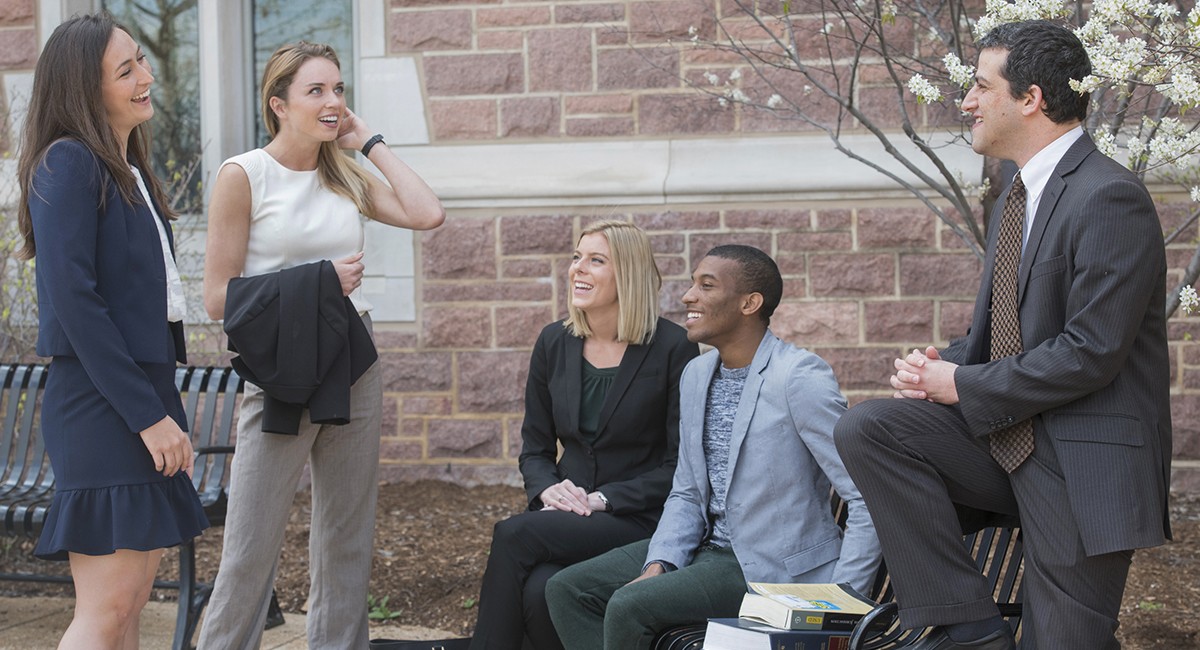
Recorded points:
(925, 375)
(568, 497)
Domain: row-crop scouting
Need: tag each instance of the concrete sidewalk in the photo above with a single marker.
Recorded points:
(36, 623)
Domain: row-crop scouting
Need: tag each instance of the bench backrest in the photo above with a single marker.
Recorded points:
(210, 399)
(21, 448)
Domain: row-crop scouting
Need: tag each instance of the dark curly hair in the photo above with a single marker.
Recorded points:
(1047, 55)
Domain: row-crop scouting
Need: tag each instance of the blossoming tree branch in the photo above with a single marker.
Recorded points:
(823, 64)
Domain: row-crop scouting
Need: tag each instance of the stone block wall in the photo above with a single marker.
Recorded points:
(863, 284)
(537, 69)
(865, 279)
(18, 53)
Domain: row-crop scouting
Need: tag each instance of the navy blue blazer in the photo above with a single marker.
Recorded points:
(101, 281)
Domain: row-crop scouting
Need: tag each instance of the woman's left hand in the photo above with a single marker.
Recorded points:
(353, 132)
(568, 497)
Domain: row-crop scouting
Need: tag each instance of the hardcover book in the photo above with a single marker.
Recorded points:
(805, 606)
(742, 634)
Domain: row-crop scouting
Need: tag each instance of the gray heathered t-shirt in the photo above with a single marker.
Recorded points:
(723, 397)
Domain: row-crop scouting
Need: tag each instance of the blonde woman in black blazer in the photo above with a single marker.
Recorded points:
(603, 384)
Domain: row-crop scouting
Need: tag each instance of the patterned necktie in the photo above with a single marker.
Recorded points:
(1011, 445)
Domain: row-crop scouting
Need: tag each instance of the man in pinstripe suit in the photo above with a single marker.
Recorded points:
(1089, 373)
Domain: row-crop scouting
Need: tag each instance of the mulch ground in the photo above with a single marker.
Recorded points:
(431, 548)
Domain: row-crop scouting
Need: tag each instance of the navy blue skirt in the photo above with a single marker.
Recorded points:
(108, 495)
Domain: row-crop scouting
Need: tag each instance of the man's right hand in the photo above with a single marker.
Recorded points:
(655, 569)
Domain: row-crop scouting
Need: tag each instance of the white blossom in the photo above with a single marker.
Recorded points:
(1188, 300)
(711, 78)
(960, 74)
(1195, 194)
(735, 75)
(1105, 143)
(926, 92)
(1183, 89)
(775, 101)
(1002, 11)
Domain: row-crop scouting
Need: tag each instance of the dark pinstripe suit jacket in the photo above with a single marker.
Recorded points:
(1094, 375)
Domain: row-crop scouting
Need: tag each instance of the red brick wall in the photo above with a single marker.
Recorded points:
(864, 279)
(862, 285)
(578, 69)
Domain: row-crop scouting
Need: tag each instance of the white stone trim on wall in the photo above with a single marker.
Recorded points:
(50, 13)
(668, 171)
(388, 96)
(371, 30)
(226, 87)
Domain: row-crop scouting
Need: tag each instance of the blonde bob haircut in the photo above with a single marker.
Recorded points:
(335, 170)
(638, 283)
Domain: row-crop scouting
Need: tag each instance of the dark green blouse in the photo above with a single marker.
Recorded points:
(596, 382)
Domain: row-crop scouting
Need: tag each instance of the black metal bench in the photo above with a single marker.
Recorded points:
(210, 396)
(998, 555)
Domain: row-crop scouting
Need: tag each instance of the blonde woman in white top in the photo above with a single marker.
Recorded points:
(298, 200)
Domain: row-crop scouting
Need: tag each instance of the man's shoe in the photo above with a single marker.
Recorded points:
(938, 640)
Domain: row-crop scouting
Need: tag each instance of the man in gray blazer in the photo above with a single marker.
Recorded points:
(750, 499)
(1054, 407)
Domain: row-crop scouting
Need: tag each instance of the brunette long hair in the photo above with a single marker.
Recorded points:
(67, 102)
(336, 172)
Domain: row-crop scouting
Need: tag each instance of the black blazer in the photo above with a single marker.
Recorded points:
(300, 340)
(101, 281)
(632, 459)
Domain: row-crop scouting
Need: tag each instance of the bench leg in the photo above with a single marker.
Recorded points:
(192, 598)
(274, 612)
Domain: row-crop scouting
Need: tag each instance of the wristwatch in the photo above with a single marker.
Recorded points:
(607, 505)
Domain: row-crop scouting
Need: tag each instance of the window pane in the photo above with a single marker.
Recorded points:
(168, 33)
(278, 22)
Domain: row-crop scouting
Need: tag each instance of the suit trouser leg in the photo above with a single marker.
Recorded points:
(913, 461)
(266, 469)
(539, 629)
(510, 603)
(1073, 600)
(594, 607)
(344, 464)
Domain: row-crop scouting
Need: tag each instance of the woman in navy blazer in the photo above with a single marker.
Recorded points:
(110, 305)
(603, 384)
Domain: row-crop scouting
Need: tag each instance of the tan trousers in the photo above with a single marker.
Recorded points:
(344, 463)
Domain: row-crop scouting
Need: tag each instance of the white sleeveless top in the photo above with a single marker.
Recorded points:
(294, 220)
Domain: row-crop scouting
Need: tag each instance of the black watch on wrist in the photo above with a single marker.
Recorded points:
(371, 142)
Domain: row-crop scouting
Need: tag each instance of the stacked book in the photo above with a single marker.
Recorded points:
(790, 617)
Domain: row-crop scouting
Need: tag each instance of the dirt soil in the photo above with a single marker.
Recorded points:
(432, 540)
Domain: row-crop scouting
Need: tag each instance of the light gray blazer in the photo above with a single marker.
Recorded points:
(782, 462)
